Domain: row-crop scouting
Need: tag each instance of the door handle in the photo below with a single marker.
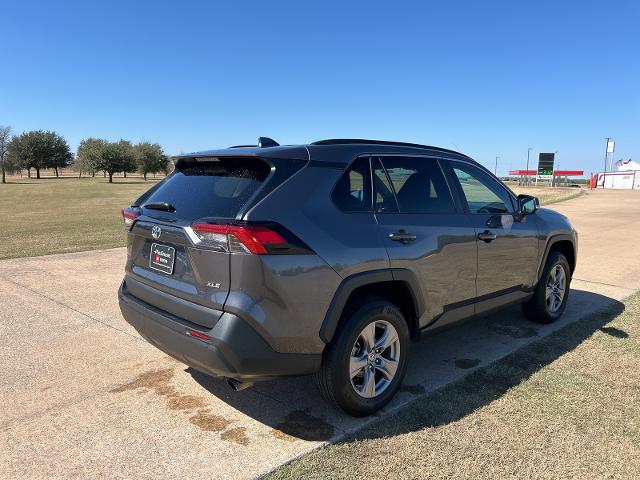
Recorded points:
(402, 236)
(487, 236)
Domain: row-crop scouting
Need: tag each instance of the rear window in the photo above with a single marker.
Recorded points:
(216, 188)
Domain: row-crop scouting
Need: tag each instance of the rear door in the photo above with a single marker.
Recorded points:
(425, 232)
(507, 244)
(163, 251)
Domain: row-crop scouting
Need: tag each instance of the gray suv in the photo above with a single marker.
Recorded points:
(256, 262)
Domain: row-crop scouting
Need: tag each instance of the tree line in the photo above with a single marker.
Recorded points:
(39, 149)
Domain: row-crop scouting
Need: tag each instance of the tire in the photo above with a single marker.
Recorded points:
(349, 350)
(540, 309)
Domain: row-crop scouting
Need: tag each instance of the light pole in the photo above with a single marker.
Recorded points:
(495, 170)
(527, 175)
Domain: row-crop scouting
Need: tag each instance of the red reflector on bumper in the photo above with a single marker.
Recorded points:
(198, 335)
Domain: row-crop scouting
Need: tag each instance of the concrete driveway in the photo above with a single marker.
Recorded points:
(82, 395)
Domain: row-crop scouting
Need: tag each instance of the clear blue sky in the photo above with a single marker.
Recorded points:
(488, 78)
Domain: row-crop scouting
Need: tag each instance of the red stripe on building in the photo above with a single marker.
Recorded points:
(563, 173)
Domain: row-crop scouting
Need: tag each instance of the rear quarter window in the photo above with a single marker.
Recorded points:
(352, 193)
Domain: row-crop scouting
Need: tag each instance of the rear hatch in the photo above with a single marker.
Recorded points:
(180, 238)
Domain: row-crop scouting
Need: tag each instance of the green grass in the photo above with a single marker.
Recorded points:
(39, 217)
(566, 406)
(549, 195)
(69, 214)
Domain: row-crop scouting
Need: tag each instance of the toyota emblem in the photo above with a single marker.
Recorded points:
(156, 232)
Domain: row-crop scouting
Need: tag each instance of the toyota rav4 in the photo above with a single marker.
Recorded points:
(256, 262)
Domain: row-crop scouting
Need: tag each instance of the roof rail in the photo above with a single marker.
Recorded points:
(361, 141)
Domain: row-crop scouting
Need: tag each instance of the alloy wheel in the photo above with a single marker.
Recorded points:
(556, 288)
(374, 359)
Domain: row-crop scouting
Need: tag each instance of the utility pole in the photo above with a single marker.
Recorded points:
(606, 152)
(527, 175)
(495, 170)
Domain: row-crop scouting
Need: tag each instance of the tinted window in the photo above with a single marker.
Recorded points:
(383, 191)
(352, 193)
(483, 194)
(419, 185)
(210, 189)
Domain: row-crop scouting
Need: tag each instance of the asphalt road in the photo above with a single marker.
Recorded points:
(82, 395)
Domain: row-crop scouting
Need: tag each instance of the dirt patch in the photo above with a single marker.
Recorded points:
(513, 328)
(413, 389)
(158, 381)
(236, 435)
(186, 402)
(280, 435)
(467, 362)
(153, 380)
(209, 422)
(300, 424)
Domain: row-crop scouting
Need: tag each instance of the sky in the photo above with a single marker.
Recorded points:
(487, 78)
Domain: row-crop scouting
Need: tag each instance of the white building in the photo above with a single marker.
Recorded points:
(626, 178)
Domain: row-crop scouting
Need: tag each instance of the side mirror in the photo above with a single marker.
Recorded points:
(528, 204)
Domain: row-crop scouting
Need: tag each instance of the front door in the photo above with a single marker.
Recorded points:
(424, 232)
(507, 244)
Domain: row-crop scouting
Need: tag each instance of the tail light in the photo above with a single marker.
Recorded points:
(255, 239)
(129, 215)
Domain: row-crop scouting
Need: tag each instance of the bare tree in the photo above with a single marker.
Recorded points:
(5, 137)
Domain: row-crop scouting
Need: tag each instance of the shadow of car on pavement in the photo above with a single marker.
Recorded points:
(451, 374)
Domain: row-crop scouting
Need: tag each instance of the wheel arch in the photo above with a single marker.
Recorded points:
(398, 286)
(563, 243)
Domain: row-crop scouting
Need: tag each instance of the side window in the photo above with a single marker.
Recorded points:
(385, 200)
(483, 194)
(352, 193)
(419, 185)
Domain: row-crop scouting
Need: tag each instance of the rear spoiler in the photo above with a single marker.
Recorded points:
(183, 161)
(266, 148)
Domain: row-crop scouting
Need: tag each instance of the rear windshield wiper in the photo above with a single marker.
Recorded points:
(164, 206)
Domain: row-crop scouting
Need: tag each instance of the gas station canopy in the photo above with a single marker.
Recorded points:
(556, 173)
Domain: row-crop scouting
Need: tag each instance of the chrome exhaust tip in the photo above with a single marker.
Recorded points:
(237, 385)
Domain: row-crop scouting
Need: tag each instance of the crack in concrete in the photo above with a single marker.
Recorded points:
(603, 283)
(69, 307)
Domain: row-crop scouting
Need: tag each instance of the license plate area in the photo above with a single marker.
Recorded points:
(162, 258)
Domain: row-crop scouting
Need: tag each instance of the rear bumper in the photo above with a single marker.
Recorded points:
(235, 350)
